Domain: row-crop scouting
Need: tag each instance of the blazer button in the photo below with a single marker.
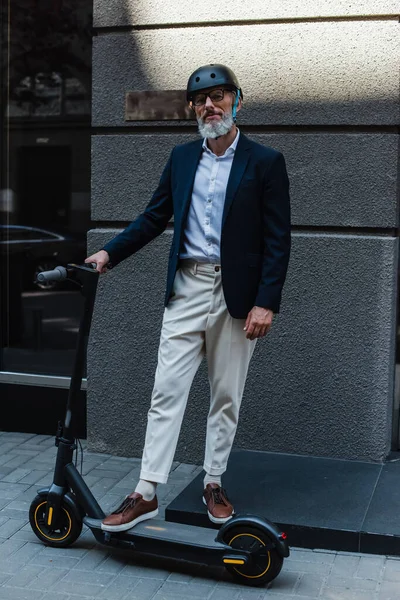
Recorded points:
(216, 269)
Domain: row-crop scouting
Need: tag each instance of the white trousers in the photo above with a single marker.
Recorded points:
(196, 323)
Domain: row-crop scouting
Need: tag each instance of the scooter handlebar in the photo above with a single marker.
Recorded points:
(56, 274)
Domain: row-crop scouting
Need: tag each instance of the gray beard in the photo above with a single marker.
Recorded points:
(215, 129)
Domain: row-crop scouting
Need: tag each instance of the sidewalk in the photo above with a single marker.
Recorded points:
(31, 571)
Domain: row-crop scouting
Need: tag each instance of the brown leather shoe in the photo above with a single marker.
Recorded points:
(133, 510)
(219, 509)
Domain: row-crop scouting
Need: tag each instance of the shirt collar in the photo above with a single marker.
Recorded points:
(230, 150)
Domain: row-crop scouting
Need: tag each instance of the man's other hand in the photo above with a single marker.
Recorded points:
(258, 322)
(101, 259)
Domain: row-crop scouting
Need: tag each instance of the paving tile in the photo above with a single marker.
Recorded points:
(40, 461)
(123, 467)
(102, 487)
(3, 505)
(9, 547)
(47, 579)
(24, 576)
(300, 566)
(34, 476)
(4, 458)
(312, 556)
(224, 594)
(4, 577)
(102, 473)
(46, 480)
(337, 594)
(112, 565)
(118, 588)
(391, 571)
(300, 597)
(109, 501)
(143, 572)
(4, 471)
(26, 535)
(286, 583)
(19, 505)
(3, 519)
(356, 583)
(91, 560)
(40, 438)
(60, 562)
(370, 567)
(185, 590)
(57, 596)
(73, 551)
(250, 594)
(20, 436)
(16, 461)
(23, 451)
(13, 511)
(26, 553)
(11, 526)
(130, 480)
(389, 590)
(310, 585)
(180, 577)
(84, 577)
(90, 480)
(27, 495)
(31, 446)
(345, 565)
(18, 593)
(144, 590)
(80, 589)
(6, 447)
(11, 490)
(358, 595)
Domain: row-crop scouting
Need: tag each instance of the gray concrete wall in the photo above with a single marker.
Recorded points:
(324, 72)
(321, 84)
(337, 179)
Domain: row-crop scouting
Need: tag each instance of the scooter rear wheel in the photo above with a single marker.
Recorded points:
(265, 565)
(67, 530)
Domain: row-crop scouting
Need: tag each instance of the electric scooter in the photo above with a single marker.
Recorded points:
(251, 548)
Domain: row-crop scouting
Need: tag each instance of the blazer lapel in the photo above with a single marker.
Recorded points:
(189, 169)
(240, 160)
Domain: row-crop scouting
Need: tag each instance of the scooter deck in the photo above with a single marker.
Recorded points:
(161, 538)
(164, 531)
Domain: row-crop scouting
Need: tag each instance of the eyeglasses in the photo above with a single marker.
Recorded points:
(214, 95)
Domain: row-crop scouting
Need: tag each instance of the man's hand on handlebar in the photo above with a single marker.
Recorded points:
(101, 259)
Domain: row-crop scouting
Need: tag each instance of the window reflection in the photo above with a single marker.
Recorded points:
(44, 178)
(48, 94)
(76, 97)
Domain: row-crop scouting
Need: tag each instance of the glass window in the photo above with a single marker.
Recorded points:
(44, 178)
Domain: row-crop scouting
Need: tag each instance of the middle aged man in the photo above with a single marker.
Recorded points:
(227, 266)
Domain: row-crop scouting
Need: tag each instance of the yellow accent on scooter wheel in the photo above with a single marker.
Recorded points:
(46, 535)
(262, 543)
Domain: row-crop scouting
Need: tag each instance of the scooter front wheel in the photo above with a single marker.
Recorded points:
(66, 531)
(265, 563)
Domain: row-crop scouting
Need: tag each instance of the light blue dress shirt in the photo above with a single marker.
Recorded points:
(202, 234)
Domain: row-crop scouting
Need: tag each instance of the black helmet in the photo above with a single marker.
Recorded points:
(211, 76)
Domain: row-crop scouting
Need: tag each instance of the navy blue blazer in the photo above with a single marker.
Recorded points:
(255, 235)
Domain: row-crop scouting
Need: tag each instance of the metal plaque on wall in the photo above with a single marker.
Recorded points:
(165, 105)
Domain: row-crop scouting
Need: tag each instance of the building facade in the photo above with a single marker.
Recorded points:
(321, 84)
